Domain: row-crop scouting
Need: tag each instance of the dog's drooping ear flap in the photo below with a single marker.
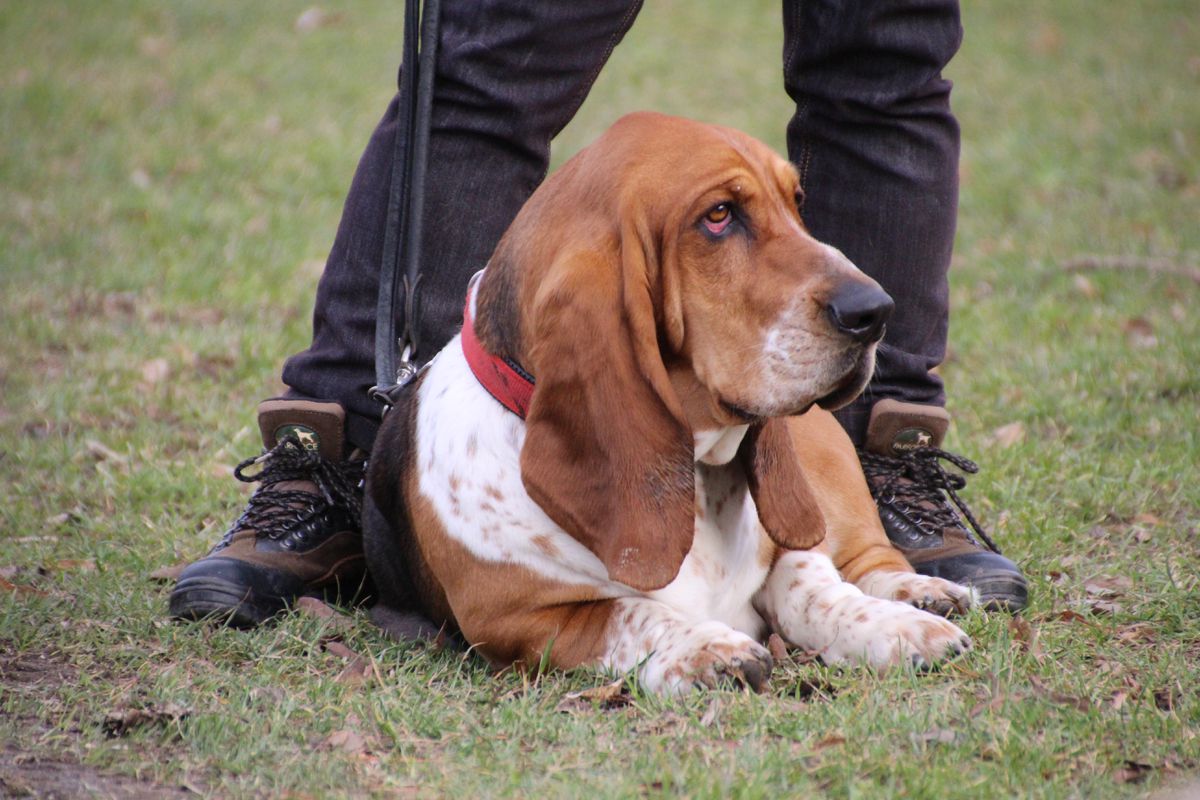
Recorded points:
(786, 505)
(608, 454)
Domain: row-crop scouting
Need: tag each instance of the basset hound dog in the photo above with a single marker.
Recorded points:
(627, 459)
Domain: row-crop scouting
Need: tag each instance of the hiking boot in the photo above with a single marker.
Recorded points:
(920, 508)
(301, 532)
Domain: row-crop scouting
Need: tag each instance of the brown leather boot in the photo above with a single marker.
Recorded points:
(301, 531)
(920, 508)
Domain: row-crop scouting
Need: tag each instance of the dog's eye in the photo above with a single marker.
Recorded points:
(718, 218)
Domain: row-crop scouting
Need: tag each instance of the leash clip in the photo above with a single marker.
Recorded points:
(406, 370)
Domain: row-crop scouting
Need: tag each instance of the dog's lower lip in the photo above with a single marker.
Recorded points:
(840, 394)
(738, 412)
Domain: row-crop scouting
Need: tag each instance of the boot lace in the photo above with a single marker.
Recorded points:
(276, 512)
(916, 486)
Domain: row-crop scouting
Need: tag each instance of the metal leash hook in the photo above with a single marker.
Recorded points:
(406, 370)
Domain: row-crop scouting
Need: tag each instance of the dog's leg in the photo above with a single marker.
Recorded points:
(812, 607)
(855, 539)
(670, 653)
(674, 655)
(936, 595)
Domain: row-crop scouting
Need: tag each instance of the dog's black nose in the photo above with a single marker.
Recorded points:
(860, 310)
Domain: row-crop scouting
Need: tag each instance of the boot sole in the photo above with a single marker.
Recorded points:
(212, 599)
(1001, 591)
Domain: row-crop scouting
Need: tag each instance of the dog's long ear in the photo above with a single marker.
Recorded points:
(608, 453)
(786, 505)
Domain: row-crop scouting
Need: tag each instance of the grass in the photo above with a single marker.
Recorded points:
(172, 174)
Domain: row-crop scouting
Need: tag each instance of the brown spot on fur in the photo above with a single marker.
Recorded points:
(455, 482)
(472, 445)
(903, 595)
(862, 617)
(493, 492)
(546, 545)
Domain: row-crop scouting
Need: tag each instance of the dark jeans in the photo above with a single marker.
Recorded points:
(872, 136)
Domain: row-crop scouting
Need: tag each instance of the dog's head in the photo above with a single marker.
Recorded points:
(661, 285)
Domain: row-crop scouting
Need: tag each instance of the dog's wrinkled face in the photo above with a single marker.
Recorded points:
(770, 320)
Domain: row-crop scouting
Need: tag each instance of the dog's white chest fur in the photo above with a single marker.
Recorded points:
(723, 570)
(468, 456)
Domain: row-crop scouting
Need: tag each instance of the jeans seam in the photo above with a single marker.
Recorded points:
(804, 157)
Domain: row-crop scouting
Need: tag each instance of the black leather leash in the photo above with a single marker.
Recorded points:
(406, 202)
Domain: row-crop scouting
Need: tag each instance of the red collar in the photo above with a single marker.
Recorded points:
(502, 377)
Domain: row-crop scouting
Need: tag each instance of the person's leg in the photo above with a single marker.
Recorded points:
(510, 75)
(877, 149)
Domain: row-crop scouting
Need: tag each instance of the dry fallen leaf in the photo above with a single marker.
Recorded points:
(220, 471)
(1103, 607)
(1061, 698)
(154, 46)
(121, 721)
(1027, 636)
(20, 588)
(75, 565)
(1167, 698)
(256, 225)
(102, 452)
(314, 18)
(1137, 632)
(1007, 435)
(312, 607)
(168, 574)
(1085, 287)
(993, 704)
(608, 696)
(155, 371)
(832, 740)
(1133, 772)
(356, 672)
(1046, 39)
(63, 518)
(1108, 585)
(334, 647)
(346, 740)
(711, 713)
(938, 735)
(1140, 333)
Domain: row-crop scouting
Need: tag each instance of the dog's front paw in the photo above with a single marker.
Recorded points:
(706, 655)
(930, 594)
(885, 633)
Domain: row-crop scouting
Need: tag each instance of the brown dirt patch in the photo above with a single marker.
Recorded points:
(25, 774)
(28, 772)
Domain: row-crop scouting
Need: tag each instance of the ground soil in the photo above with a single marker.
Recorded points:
(30, 770)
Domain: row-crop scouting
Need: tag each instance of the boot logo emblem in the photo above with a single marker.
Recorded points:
(307, 437)
(911, 439)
